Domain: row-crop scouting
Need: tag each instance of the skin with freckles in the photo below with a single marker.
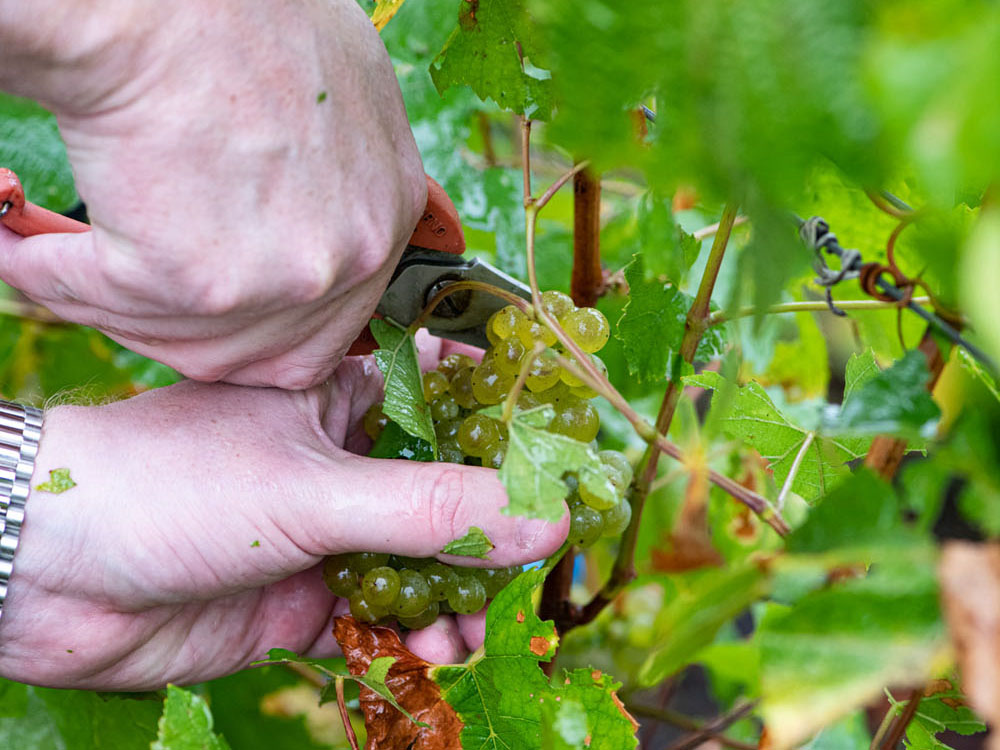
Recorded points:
(193, 540)
(244, 225)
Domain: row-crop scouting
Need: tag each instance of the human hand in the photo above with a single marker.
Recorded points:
(247, 167)
(193, 540)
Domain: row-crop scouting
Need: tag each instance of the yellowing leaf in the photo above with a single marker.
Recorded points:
(384, 11)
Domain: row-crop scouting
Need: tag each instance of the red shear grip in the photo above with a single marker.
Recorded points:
(439, 227)
(26, 218)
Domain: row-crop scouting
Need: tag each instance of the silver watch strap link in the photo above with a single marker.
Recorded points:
(20, 431)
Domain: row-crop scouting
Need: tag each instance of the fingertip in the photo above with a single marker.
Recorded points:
(473, 629)
(439, 643)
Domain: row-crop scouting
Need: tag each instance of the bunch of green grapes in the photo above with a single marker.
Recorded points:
(460, 388)
(413, 591)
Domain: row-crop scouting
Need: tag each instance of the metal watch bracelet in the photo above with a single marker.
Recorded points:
(20, 431)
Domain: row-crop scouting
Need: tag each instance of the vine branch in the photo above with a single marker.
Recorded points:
(344, 717)
(683, 721)
(696, 324)
(723, 316)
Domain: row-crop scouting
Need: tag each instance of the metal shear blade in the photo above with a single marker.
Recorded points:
(461, 316)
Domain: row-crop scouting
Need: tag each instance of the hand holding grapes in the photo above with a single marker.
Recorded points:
(194, 538)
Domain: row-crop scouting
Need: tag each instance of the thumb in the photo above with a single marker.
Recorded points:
(60, 271)
(415, 509)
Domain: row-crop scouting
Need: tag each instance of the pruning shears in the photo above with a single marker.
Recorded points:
(432, 260)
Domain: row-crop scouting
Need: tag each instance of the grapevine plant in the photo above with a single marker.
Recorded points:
(781, 479)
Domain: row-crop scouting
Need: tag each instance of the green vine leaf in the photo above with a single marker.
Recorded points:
(538, 461)
(404, 394)
(858, 631)
(747, 413)
(945, 710)
(186, 724)
(895, 402)
(692, 618)
(493, 50)
(474, 544)
(516, 640)
(395, 442)
(652, 326)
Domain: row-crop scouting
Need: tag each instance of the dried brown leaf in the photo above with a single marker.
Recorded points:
(409, 682)
(970, 588)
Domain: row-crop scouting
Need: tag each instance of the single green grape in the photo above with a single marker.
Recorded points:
(375, 421)
(447, 429)
(450, 452)
(424, 619)
(439, 577)
(435, 383)
(380, 586)
(477, 434)
(445, 407)
(362, 562)
(554, 395)
(587, 327)
(489, 385)
(494, 579)
(543, 374)
(618, 471)
(575, 418)
(339, 575)
(616, 518)
(494, 454)
(467, 595)
(528, 400)
(505, 320)
(622, 466)
(451, 364)
(508, 355)
(557, 304)
(363, 610)
(461, 388)
(597, 502)
(530, 331)
(577, 387)
(585, 526)
(414, 594)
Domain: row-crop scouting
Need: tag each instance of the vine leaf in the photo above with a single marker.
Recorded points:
(652, 326)
(384, 11)
(404, 394)
(693, 617)
(474, 544)
(436, 726)
(493, 50)
(895, 401)
(186, 724)
(942, 709)
(748, 413)
(395, 442)
(516, 640)
(537, 461)
(859, 628)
